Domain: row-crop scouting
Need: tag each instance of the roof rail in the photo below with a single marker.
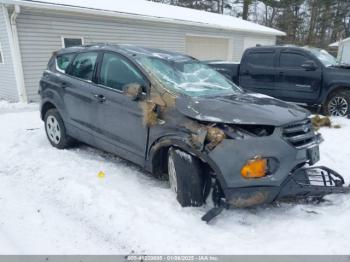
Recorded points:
(95, 44)
(290, 45)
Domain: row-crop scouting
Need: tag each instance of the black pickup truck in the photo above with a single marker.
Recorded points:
(305, 75)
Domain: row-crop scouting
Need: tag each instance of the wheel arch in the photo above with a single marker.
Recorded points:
(46, 107)
(159, 150)
(158, 156)
(335, 88)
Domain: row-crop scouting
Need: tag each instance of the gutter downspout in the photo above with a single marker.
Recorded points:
(340, 54)
(22, 95)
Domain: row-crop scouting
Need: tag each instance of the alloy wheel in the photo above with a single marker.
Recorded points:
(338, 106)
(53, 129)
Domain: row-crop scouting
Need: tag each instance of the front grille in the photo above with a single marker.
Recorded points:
(299, 134)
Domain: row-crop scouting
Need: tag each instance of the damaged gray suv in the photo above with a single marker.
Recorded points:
(183, 121)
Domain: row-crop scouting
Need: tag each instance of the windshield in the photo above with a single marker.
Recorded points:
(326, 58)
(188, 77)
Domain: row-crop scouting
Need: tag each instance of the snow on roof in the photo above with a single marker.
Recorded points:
(336, 44)
(146, 9)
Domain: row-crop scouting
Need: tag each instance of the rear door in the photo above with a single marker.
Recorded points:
(294, 83)
(258, 71)
(78, 95)
(120, 119)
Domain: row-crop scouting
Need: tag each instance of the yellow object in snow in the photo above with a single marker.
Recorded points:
(101, 174)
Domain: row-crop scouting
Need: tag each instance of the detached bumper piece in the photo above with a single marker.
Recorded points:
(312, 182)
(303, 183)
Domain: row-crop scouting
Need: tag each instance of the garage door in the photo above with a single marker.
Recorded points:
(207, 48)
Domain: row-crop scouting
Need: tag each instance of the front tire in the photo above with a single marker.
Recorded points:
(337, 104)
(185, 178)
(55, 130)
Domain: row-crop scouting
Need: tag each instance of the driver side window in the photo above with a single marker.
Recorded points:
(116, 72)
(291, 60)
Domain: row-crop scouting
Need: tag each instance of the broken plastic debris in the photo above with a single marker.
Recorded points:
(101, 174)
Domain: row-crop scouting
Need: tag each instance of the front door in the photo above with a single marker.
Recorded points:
(258, 72)
(120, 119)
(293, 82)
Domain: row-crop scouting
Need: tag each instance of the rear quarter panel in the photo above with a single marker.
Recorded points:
(51, 92)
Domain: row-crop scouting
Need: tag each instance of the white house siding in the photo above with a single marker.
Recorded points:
(40, 34)
(344, 52)
(8, 88)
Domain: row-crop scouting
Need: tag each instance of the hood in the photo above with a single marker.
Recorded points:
(339, 69)
(342, 66)
(337, 75)
(245, 108)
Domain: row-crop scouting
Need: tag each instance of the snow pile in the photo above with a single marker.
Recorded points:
(8, 106)
(53, 202)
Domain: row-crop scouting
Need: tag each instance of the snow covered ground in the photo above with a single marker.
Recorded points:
(53, 202)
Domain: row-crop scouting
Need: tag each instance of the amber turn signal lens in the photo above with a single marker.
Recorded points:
(254, 168)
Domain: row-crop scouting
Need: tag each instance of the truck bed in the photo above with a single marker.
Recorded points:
(227, 68)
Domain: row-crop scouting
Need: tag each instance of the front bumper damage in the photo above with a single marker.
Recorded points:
(291, 151)
(302, 183)
(312, 182)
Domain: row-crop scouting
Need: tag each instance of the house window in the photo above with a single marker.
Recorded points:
(69, 42)
(1, 55)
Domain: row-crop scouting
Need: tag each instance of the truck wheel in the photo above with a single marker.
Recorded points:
(55, 130)
(337, 104)
(185, 178)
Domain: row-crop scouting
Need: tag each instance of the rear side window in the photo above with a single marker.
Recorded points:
(116, 72)
(63, 61)
(83, 65)
(292, 60)
(260, 59)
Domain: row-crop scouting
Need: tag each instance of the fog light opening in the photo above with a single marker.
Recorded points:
(255, 168)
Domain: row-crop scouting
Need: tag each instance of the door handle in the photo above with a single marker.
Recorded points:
(100, 98)
(281, 73)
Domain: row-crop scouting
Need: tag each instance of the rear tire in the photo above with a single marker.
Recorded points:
(55, 130)
(186, 178)
(337, 104)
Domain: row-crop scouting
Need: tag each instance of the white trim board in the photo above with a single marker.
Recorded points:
(2, 61)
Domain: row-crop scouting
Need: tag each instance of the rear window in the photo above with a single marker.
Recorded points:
(260, 59)
(63, 61)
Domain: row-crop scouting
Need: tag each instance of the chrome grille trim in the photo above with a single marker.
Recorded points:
(300, 134)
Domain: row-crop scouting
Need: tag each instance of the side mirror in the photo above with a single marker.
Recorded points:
(134, 91)
(309, 65)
